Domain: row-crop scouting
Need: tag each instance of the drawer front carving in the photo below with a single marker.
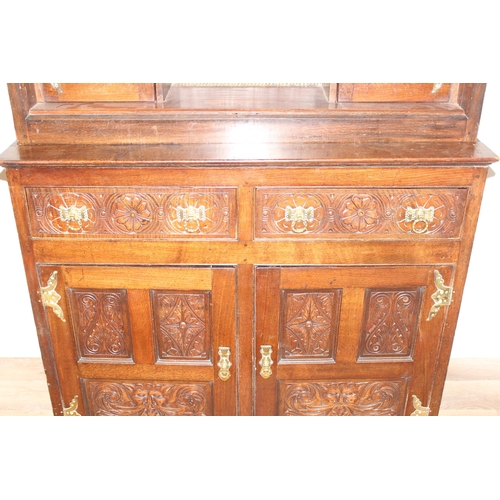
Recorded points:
(343, 398)
(148, 398)
(333, 213)
(144, 213)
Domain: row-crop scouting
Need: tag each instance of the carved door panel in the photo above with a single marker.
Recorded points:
(143, 340)
(346, 340)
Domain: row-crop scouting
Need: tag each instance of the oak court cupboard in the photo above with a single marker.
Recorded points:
(249, 249)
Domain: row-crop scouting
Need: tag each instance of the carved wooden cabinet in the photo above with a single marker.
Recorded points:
(246, 250)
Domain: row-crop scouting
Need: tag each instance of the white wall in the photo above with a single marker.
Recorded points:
(478, 331)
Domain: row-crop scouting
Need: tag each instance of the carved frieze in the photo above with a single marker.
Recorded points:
(343, 212)
(140, 212)
(147, 398)
(343, 398)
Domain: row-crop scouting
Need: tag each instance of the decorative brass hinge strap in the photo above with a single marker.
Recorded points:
(224, 364)
(420, 411)
(72, 410)
(50, 297)
(441, 297)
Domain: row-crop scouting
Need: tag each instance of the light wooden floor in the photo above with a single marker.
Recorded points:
(472, 388)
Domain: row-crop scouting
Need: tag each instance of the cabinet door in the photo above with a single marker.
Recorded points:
(143, 340)
(346, 340)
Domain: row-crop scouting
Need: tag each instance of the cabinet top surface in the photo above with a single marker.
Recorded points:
(258, 154)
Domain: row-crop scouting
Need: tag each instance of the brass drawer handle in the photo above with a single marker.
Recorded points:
(74, 214)
(191, 216)
(441, 297)
(224, 364)
(300, 217)
(50, 297)
(266, 361)
(421, 217)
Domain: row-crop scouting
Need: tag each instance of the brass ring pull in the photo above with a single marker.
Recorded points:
(417, 229)
(304, 227)
(224, 364)
(188, 225)
(266, 361)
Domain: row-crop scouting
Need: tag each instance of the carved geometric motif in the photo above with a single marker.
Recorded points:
(310, 324)
(390, 323)
(100, 320)
(118, 213)
(345, 398)
(148, 398)
(182, 325)
(345, 212)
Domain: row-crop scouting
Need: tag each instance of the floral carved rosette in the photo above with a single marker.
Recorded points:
(132, 213)
(360, 213)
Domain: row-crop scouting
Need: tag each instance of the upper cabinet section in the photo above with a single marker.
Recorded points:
(184, 113)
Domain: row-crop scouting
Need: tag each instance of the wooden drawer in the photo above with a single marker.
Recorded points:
(390, 92)
(132, 212)
(343, 213)
(97, 92)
